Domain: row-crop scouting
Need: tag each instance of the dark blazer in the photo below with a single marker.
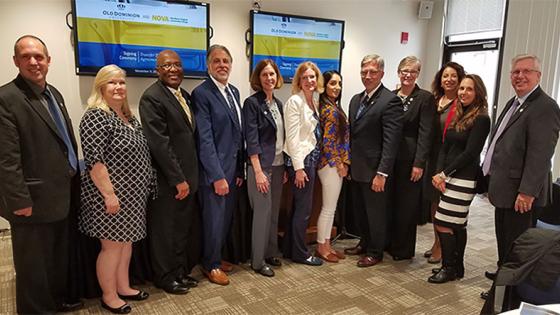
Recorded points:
(460, 153)
(522, 154)
(170, 135)
(375, 136)
(260, 128)
(419, 113)
(220, 137)
(34, 167)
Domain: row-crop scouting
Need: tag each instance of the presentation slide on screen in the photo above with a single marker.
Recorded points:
(131, 34)
(290, 41)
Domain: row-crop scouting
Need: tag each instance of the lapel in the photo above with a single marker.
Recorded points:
(521, 110)
(175, 104)
(33, 101)
(218, 94)
(64, 111)
(370, 102)
(261, 97)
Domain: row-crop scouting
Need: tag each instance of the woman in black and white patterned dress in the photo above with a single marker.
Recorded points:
(458, 164)
(116, 185)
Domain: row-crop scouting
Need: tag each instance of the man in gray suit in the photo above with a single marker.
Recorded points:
(39, 180)
(519, 156)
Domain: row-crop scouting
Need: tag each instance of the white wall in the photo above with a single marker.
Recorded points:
(372, 26)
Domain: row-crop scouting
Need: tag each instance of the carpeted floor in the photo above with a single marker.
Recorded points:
(388, 288)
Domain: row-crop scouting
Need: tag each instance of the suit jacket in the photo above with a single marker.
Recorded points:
(220, 137)
(34, 167)
(299, 125)
(522, 154)
(260, 128)
(375, 135)
(419, 113)
(170, 135)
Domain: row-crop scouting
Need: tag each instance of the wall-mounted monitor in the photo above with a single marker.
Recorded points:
(291, 39)
(130, 34)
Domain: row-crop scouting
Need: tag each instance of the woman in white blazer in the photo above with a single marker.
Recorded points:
(303, 135)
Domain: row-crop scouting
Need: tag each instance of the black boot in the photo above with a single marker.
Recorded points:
(461, 239)
(448, 271)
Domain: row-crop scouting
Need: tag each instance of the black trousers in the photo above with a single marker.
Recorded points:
(170, 231)
(403, 210)
(371, 214)
(509, 224)
(293, 245)
(41, 262)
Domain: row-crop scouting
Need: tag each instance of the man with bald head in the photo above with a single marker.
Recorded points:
(39, 183)
(169, 126)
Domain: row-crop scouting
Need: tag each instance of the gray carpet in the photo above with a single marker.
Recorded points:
(388, 288)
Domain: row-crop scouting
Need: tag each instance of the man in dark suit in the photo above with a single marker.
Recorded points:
(169, 126)
(375, 134)
(39, 180)
(519, 156)
(218, 116)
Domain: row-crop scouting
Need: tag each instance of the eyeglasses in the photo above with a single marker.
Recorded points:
(372, 72)
(409, 72)
(168, 66)
(524, 72)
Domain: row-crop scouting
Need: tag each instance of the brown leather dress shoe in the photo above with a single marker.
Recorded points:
(339, 254)
(356, 250)
(329, 257)
(368, 261)
(226, 266)
(216, 276)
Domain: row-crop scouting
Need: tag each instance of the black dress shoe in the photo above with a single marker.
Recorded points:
(460, 272)
(490, 275)
(398, 258)
(70, 307)
(265, 270)
(446, 274)
(311, 261)
(188, 281)
(484, 295)
(140, 296)
(124, 309)
(273, 261)
(174, 288)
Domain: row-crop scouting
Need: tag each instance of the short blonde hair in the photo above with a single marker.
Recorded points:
(299, 73)
(409, 60)
(104, 75)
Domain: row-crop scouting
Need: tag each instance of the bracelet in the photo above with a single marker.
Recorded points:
(442, 175)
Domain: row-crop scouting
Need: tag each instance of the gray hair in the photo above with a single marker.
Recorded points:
(410, 60)
(217, 47)
(374, 58)
(535, 59)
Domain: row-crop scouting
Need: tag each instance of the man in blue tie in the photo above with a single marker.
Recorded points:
(217, 110)
(518, 160)
(40, 181)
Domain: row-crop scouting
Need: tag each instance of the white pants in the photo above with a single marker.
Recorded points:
(331, 183)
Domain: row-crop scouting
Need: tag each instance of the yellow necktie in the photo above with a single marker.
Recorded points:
(183, 103)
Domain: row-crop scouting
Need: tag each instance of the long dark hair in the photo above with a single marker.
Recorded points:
(324, 99)
(465, 117)
(437, 90)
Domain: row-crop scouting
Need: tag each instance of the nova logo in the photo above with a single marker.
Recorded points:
(121, 6)
(160, 18)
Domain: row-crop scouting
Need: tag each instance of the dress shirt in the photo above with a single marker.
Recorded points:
(222, 89)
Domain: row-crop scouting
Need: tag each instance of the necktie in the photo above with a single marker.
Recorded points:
(183, 103)
(231, 104)
(363, 104)
(62, 128)
(501, 127)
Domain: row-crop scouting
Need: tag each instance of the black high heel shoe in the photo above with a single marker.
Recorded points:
(124, 309)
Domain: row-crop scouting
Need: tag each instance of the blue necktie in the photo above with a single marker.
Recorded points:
(501, 127)
(231, 104)
(62, 128)
(362, 107)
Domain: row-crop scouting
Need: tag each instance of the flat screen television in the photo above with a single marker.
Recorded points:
(130, 34)
(291, 39)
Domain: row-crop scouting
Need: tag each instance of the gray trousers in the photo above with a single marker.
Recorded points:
(265, 215)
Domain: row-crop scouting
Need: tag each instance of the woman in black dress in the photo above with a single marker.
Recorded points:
(444, 89)
(405, 186)
(115, 186)
(458, 166)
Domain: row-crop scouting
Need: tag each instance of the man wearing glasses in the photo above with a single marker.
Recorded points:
(518, 160)
(375, 134)
(169, 125)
